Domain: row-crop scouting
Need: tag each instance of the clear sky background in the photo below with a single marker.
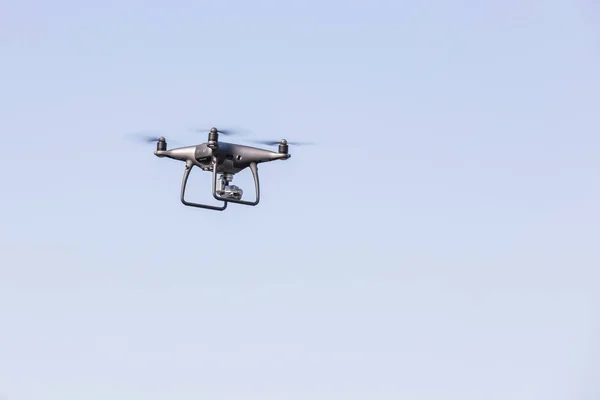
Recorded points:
(441, 242)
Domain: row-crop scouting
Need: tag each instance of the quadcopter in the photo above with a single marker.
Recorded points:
(223, 160)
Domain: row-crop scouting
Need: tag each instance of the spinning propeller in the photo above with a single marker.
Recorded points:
(238, 132)
(276, 142)
(226, 132)
(153, 137)
(146, 137)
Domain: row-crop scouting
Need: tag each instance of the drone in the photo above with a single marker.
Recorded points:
(223, 160)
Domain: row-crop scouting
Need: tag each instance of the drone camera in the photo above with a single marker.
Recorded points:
(224, 189)
(232, 192)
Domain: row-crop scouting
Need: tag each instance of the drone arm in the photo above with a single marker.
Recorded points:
(186, 175)
(254, 168)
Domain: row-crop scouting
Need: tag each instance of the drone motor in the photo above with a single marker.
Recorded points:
(213, 138)
(283, 147)
(161, 144)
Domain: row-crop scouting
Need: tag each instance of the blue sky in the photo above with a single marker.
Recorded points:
(440, 242)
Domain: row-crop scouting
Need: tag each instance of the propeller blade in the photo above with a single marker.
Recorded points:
(146, 137)
(276, 142)
(150, 139)
(226, 132)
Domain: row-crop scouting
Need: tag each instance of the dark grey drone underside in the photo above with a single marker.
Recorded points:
(224, 160)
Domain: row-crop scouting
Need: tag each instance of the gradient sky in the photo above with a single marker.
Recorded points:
(441, 241)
